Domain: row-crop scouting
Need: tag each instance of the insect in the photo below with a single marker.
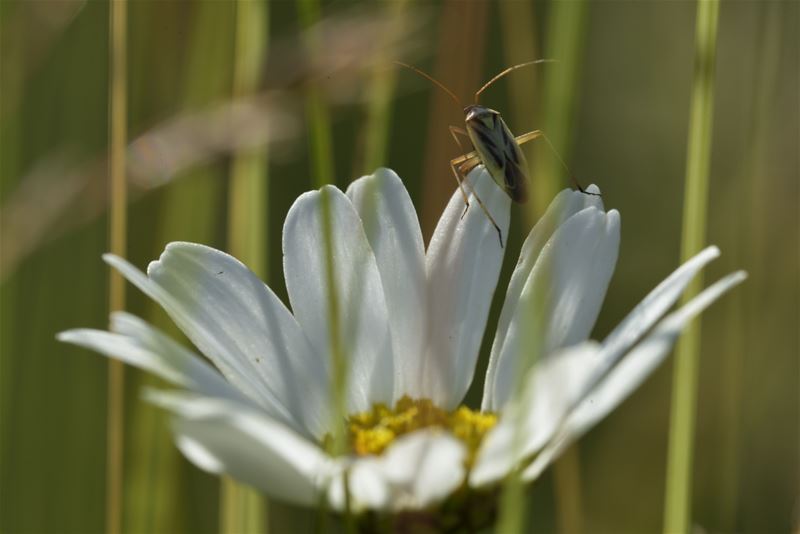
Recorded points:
(494, 146)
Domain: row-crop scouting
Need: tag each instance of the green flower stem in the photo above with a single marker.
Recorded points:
(322, 153)
(677, 505)
(118, 129)
(244, 510)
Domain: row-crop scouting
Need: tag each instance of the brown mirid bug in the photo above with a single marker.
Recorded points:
(494, 146)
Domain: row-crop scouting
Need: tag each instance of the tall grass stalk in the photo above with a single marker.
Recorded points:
(189, 209)
(459, 65)
(564, 42)
(242, 509)
(322, 153)
(519, 46)
(677, 506)
(317, 112)
(321, 146)
(381, 90)
(513, 507)
(754, 254)
(118, 129)
(249, 185)
(566, 32)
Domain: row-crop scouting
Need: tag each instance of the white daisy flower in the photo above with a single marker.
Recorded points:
(412, 323)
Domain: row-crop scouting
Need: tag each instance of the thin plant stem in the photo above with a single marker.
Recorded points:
(512, 516)
(458, 65)
(534, 311)
(512, 504)
(740, 342)
(381, 91)
(118, 128)
(566, 31)
(677, 506)
(564, 43)
(337, 352)
(244, 510)
(189, 210)
(316, 109)
(566, 25)
(249, 187)
(322, 154)
(519, 46)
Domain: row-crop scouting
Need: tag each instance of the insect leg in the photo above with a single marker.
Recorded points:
(466, 167)
(461, 131)
(530, 136)
(461, 166)
(470, 163)
(453, 131)
(465, 164)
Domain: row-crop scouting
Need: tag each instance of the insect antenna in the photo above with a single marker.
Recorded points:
(432, 79)
(509, 69)
(566, 168)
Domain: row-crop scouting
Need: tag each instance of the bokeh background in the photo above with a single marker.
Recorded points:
(207, 99)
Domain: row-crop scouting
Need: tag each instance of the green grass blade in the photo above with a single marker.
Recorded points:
(243, 510)
(319, 123)
(518, 47)
(318, 115)
(118, 129)
(188, 209)
(677, 512)
(566, 31)
(381, 91)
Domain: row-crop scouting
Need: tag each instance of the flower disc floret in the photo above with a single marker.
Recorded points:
(372, 431)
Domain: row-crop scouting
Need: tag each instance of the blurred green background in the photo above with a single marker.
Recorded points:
(616, 105)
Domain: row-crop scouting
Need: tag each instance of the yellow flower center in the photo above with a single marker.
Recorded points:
(371, 432)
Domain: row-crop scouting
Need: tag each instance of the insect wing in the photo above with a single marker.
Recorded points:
(515, 176)
(500, 154)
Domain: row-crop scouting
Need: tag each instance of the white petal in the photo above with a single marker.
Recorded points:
(425, 466)
(367, 485)
(417, 470)
(463, 264)
(628, 375)
(226, 437)
(141, 345)
(654, 306)
(551, 388)
(566, 204)
(239, 323)
(393, 231)
(568, 284)
(362, 313)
